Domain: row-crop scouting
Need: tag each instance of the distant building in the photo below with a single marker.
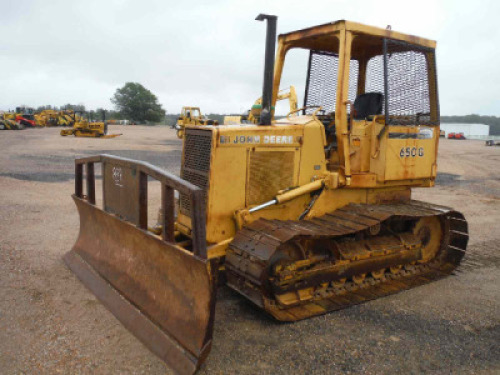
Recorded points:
(469, 130)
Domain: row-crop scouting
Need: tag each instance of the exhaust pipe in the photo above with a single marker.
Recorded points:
(267, 90)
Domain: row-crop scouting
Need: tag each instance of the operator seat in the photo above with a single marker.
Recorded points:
(368, 104)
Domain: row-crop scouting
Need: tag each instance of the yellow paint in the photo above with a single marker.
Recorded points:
(301, 190)
(373, 163)
(84, 128)
(253, 115)
(191, 116)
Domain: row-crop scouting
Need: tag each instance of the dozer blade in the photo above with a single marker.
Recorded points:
(162, 293)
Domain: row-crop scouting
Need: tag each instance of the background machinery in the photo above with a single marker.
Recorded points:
(82, 127)
(8, 121)
(253, 115)
(304, 215)
(26, 116)
(40, 119)
(68, 117)
(459, 136)
(191, 116)
(47, 117)
(27, 120)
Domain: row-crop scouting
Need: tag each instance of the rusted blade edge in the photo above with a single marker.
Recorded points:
(155, 339)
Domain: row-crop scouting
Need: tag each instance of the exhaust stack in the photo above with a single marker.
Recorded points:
(267, 90)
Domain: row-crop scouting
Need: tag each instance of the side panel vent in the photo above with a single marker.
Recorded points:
(269, 172)
(196, 167)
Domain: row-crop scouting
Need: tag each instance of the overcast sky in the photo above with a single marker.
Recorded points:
(210, 53)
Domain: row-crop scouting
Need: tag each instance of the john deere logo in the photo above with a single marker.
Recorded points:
(117, 176)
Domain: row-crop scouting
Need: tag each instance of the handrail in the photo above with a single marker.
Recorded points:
(169, 183)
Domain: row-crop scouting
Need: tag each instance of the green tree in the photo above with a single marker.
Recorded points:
(137, 103)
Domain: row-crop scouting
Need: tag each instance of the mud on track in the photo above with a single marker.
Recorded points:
(49, 322)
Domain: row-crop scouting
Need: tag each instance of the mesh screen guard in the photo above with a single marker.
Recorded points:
(408, 91)
(401, 72)
(321, 84)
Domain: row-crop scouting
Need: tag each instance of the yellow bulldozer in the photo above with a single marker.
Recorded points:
(82, 127)
(302, 216)
(253, 115)
(191, 116)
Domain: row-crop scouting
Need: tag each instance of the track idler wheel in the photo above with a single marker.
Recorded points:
(430, 232)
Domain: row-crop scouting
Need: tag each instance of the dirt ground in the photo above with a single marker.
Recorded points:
(50, 323)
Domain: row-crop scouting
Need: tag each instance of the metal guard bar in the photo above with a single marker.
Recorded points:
(169, 183)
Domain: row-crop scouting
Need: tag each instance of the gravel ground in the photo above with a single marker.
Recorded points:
(49, 322)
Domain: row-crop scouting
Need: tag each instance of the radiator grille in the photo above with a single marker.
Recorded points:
(269, 172)
(196, 167)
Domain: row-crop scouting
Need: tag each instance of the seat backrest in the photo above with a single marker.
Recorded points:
(368, 104)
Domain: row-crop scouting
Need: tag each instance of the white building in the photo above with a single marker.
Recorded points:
(470, 130)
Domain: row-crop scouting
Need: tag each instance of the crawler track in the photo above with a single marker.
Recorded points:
(298, 269)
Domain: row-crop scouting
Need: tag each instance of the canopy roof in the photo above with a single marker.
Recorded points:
(367, 40)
